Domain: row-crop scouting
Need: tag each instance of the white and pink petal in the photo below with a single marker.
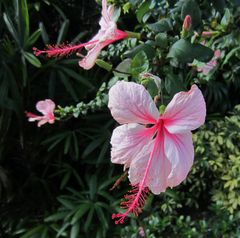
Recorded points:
(131, 103)
(45, 107)
(179, 151)
(154, 173)
(185, 112)
(127, 141)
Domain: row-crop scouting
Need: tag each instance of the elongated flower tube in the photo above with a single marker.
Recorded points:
(46, 107)
(157, 149)
(107, 34)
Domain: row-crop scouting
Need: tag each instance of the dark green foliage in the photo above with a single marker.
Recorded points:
(55, 181)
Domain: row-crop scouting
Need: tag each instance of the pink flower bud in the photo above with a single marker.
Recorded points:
(207, 34)
(187, 24)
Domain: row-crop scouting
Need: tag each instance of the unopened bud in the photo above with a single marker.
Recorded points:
(187, 24)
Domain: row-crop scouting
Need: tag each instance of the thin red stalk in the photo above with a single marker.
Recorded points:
(136, 199)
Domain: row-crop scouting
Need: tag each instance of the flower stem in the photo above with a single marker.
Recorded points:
(133, 35)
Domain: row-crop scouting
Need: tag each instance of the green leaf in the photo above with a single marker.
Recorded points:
(148, 49)
(190, 7)
(56, 217)
(161, 40)
(66, 203)
(33, 38)
(23, 17)
(161, 26)
(103, 64)
(44, 33)
(32, 232)
(139, 64)
(101, 216)
(63, 31)
(126, 7)
(89, 219)
(62, 230)
(123, 69)
(11, 27)
(32, 59)
(186, 52)
(142, 10)
(65, 180)
(75, 231)
(226, 20)
(230, 54)
(80, 212)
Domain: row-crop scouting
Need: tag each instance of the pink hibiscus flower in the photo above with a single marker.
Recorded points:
(206, 68)
(46, 107)
(105, 36)
(157, 149)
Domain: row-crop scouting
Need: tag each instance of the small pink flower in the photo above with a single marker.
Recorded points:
(141, 231)
(187, 23)
(157, 149)
(107, 34)
(206, 68)
(46, 107)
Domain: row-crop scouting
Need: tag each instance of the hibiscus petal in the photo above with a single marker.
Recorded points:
(42, 122)
(159, 168)
(45, 107)
(89, 60)
(186, 111)
(127, 141)
(180, 153)
(131, 103)
(98, 36)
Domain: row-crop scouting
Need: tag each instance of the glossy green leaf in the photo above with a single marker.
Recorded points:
(161, 26)
(142, 10)
(33, 38)
(186, 52)
(139, 64)
(32, 59)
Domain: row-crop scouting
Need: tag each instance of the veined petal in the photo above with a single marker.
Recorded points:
(186, 111)
(179, 152)
(128, 140)
(131, 103)
(89, 60)
(98, 36)
(45, 107)
(156, 173)
(106, 20)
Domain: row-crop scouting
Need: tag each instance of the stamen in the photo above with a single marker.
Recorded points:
(134, 203)
(61, 50)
